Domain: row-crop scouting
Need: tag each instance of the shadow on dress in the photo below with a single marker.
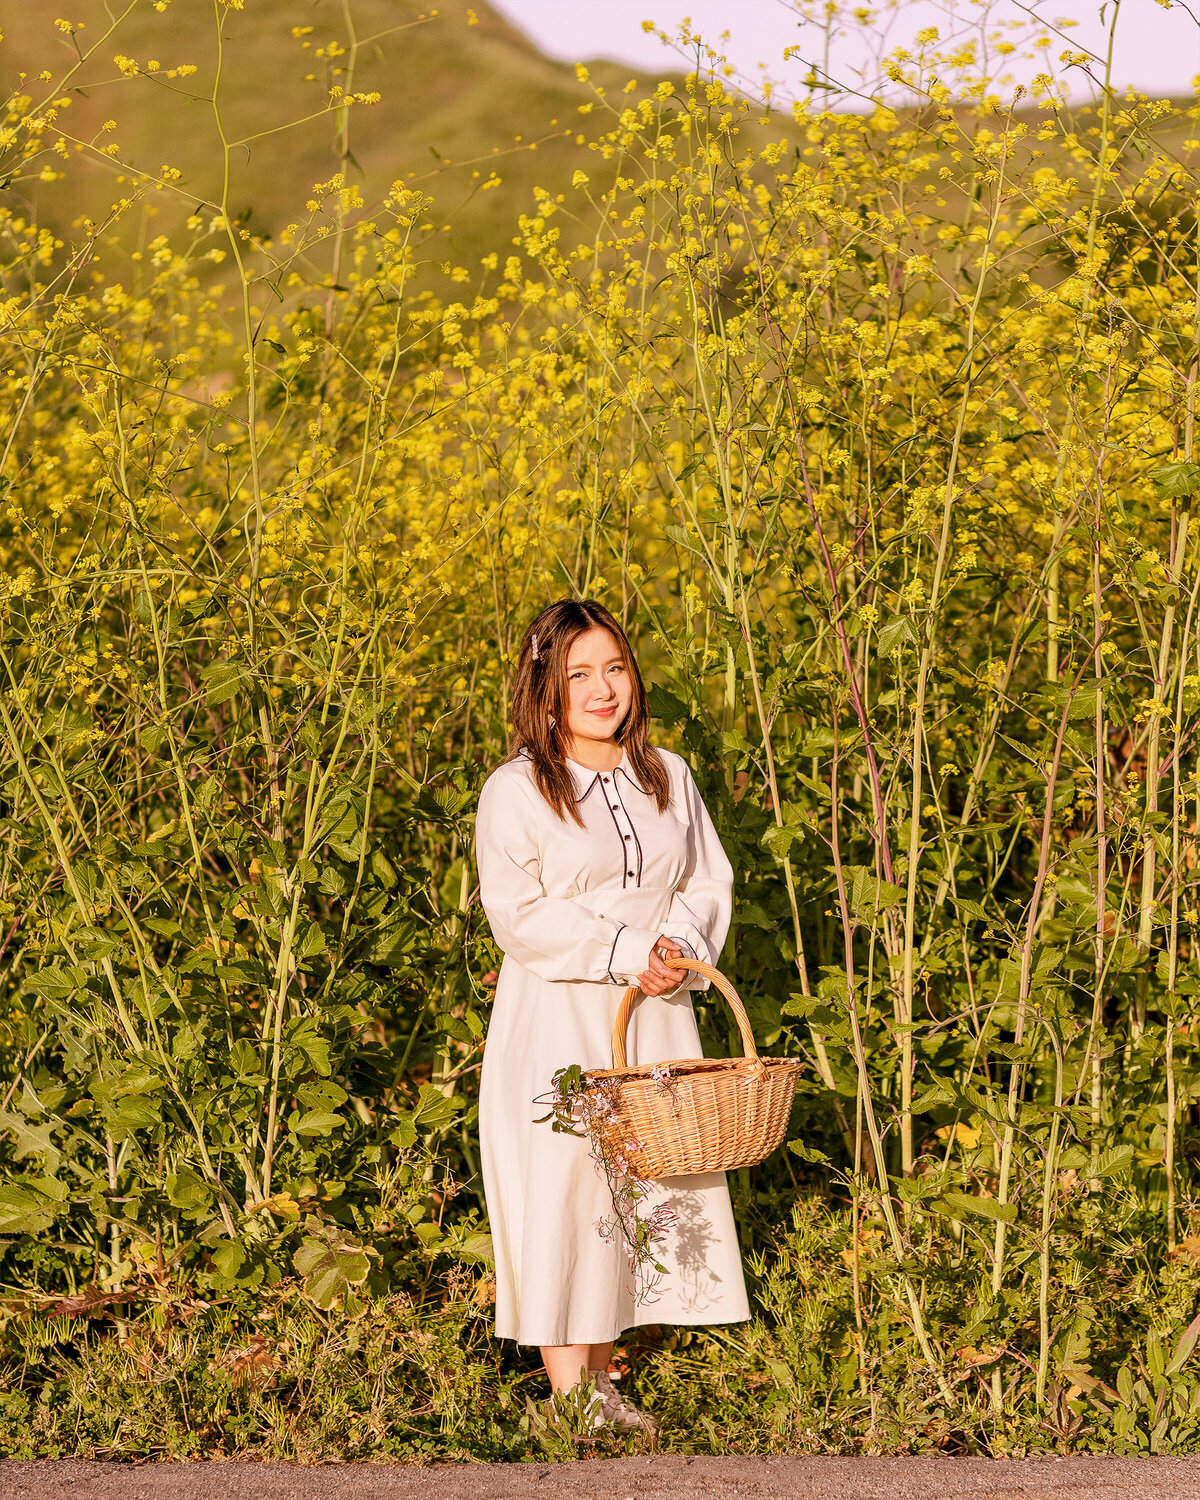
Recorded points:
(697, 1286)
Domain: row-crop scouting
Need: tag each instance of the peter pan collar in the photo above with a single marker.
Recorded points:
(584, 778)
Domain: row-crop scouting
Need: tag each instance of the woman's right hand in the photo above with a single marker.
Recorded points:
(658, 979)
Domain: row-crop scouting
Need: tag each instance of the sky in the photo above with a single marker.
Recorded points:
(1157, 48)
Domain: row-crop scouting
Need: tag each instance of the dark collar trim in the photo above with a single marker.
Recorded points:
(633, 782)
(574, 773)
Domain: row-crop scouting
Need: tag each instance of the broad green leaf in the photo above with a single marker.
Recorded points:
(330, 1269)
(476, 1246)
(318, 1122)
(222, 679)
(957, 1205)
(244, 1059)
(666, 707)
(134, 1112)
(31, 1140)
(305, 1036)
(434, 1110)
(186, 1190)
(1174, 480)
(1112, 1163)
(228, 1257)
(22, 1211)
(405, 1133)
(893, 635)
(310, 942)
(871, 897)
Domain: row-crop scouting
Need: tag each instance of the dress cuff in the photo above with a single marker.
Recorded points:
(630, 954)
(688, 944)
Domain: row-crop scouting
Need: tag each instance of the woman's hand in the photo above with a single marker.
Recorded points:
(658, 978)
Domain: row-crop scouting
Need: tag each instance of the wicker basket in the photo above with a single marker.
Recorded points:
(707, 1114)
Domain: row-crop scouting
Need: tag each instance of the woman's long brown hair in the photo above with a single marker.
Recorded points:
(539, 705)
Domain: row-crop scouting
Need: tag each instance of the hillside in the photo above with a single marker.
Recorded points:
(457, 99)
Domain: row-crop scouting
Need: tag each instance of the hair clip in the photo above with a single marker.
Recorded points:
(536, 657)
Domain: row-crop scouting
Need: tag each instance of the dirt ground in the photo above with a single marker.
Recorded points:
(658, 1478)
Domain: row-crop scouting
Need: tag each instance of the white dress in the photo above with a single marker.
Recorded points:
(576, 912)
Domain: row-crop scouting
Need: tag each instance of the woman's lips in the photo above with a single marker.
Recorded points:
(603, 713)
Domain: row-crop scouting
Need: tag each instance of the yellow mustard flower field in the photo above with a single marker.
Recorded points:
(876, 424)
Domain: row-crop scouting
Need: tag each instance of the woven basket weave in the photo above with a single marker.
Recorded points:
(709, 1114)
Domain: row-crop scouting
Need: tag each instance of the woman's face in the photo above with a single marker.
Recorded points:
(598, 687)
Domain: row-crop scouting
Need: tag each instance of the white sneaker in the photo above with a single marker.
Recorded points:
(617, 1412)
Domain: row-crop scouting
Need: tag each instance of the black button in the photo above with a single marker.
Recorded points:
(629, 872)
(626, 838)
(606, 781)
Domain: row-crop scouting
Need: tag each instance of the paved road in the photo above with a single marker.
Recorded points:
(665, 1477)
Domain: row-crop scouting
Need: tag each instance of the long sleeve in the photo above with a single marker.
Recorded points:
(702, 904)
(551, 936)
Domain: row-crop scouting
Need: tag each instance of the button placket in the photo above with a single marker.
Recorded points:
(625, 829)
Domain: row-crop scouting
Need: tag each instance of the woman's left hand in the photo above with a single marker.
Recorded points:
(658, 979)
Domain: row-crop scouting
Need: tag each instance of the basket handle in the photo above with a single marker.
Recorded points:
(633, 995)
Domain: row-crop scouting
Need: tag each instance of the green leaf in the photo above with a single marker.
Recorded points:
(869, 897)
(32, 1140)
(476, 1246)
(1184, 1348)
(163, 926)
(244, 1060)
(304, 1035)
(391, 943)
(186, 1190)
(310, 942)
(57, 983)
(152, 737)
(318, 1122)
(405, 1133)
(222, 679)
(1173, 481)
(434, 1110)
(780, 840)
(134, 1112)
(957, 1205)
(893, 635)
(330, 1269)
(1111, 1163)
(807, 1153)
(22, 1211)
(666, 707)
(228, 1257)
(935, 1094)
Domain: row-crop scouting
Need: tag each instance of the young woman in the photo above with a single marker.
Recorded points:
(597, 859)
